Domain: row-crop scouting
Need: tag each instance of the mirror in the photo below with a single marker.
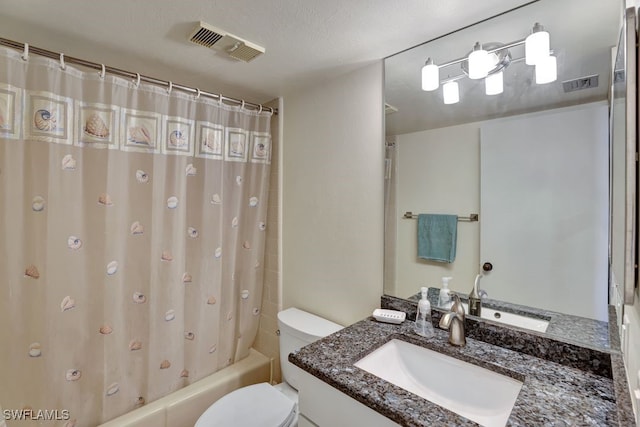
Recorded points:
(623, 168)
(436, 154)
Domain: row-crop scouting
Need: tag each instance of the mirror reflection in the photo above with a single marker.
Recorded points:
(618, 178)
(531, 160)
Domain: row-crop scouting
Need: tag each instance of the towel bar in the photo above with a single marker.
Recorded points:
(471, 218)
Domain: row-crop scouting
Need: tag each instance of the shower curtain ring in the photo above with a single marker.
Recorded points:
(62, 65)
(197, 93)
(242, 105)
(137, 83)
(260, 110)
(102, 71)
(25, 54)
(170, 88)
(220, 98)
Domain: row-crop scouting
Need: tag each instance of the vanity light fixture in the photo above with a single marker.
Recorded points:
(451, 92)
(536, 46)
(478, 62)
(430, 76)
(487, 61)
(494, 83)
(546, 70)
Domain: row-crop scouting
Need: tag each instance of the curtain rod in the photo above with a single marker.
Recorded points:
(123, 73)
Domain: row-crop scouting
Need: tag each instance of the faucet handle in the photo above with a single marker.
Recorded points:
(457, 306)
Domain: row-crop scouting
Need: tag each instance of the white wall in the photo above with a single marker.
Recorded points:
(332, 213)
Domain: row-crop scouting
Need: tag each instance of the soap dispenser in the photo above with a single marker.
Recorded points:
(423, 325)
(444, 298)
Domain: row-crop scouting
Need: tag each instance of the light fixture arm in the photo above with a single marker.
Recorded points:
(453, 78)
(464, 58)
(507, 46)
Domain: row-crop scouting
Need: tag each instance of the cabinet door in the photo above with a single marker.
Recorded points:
(325, 406)
(304, 422)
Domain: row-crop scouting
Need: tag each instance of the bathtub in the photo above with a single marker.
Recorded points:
(183, 407)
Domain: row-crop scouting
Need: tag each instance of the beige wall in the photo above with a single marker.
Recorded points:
(328, 164)
(450, 155)
(332, 218)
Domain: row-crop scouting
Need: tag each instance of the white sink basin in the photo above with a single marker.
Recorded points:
(476, 393)
(507, 318)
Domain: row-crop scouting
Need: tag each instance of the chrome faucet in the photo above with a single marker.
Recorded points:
(476, 284)
(475, 300)
(454, 322)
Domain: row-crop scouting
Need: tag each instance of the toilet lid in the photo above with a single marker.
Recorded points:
(258, 405)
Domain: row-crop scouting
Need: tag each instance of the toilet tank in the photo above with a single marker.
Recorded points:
(297, 329)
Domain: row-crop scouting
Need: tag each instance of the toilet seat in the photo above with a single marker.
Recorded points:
(259, 405)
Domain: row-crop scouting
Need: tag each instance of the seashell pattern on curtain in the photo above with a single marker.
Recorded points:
(133, 231)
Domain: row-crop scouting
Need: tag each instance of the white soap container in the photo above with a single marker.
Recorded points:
(444, 299)
(423, 325)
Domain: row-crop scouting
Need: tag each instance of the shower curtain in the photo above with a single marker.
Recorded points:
(133, 227)
(390, 213)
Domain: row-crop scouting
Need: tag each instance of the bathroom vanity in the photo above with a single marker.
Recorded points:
(562, 384)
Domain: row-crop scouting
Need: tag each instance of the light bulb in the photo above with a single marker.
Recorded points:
(478, 62)
(430, 76)
(536, 46)
(493, 84)
(450, 93)
(547, 70)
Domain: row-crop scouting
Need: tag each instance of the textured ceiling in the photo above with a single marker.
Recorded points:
(306, 41)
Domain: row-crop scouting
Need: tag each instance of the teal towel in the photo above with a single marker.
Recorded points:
(437, 236)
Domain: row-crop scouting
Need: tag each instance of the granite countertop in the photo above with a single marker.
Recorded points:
(576, 392)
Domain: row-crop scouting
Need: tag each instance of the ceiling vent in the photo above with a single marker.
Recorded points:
(580, 83)
(209, 36)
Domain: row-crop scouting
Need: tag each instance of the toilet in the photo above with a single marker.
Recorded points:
(264, 405)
